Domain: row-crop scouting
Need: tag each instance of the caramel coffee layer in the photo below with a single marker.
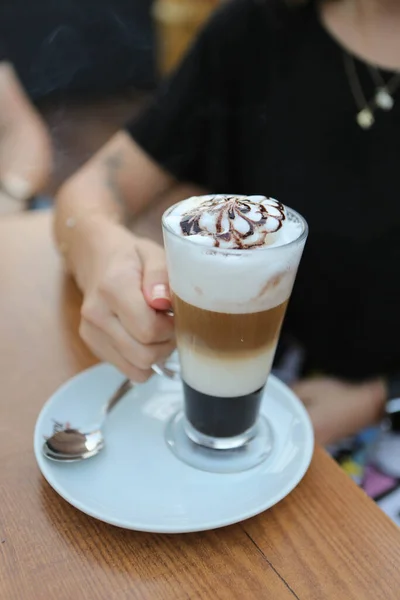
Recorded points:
(227, 333)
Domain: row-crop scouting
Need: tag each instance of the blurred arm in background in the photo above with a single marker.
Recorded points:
(25, 149)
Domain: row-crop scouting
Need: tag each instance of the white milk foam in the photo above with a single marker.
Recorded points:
(231, 281)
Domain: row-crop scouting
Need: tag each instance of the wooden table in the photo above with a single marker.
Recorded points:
(327, 540)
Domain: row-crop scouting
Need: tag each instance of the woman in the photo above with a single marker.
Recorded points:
(25, 150)
(296, 102)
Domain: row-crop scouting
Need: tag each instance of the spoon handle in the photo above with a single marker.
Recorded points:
(123, 389)
(172, 371)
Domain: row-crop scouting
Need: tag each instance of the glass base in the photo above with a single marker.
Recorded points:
(215, 459)
(226, 443)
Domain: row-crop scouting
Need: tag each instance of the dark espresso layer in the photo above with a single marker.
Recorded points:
(221, 417)
(226, 332)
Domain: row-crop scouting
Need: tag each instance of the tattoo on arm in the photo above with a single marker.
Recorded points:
(113, 165)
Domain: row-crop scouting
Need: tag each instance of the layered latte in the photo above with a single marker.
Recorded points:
(232, 262)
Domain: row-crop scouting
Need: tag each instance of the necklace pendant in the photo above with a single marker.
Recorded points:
(365, 118)
(383, 99)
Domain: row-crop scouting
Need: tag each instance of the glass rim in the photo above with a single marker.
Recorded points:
(234, 251)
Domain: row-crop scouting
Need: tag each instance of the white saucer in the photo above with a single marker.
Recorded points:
(137, 483)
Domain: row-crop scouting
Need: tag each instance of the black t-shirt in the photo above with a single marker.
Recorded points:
(3, 53)
(262, 105)
(70, 46)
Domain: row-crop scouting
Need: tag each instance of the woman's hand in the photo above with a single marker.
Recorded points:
(125, 286)
(339, 409)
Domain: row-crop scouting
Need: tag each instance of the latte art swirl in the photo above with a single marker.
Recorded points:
(235, 222)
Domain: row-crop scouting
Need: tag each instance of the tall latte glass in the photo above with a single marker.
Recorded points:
(232, 262)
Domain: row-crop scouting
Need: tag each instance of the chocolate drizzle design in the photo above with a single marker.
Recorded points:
(233, 208)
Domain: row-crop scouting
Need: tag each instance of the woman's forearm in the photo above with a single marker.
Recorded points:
(117, 183)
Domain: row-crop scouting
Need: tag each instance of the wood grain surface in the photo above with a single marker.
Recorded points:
(327, 540)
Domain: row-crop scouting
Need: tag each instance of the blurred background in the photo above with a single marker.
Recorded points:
(89, 65)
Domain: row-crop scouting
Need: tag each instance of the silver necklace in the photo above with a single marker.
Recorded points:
(383, 97)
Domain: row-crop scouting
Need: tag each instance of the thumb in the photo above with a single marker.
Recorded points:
(155, 284)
